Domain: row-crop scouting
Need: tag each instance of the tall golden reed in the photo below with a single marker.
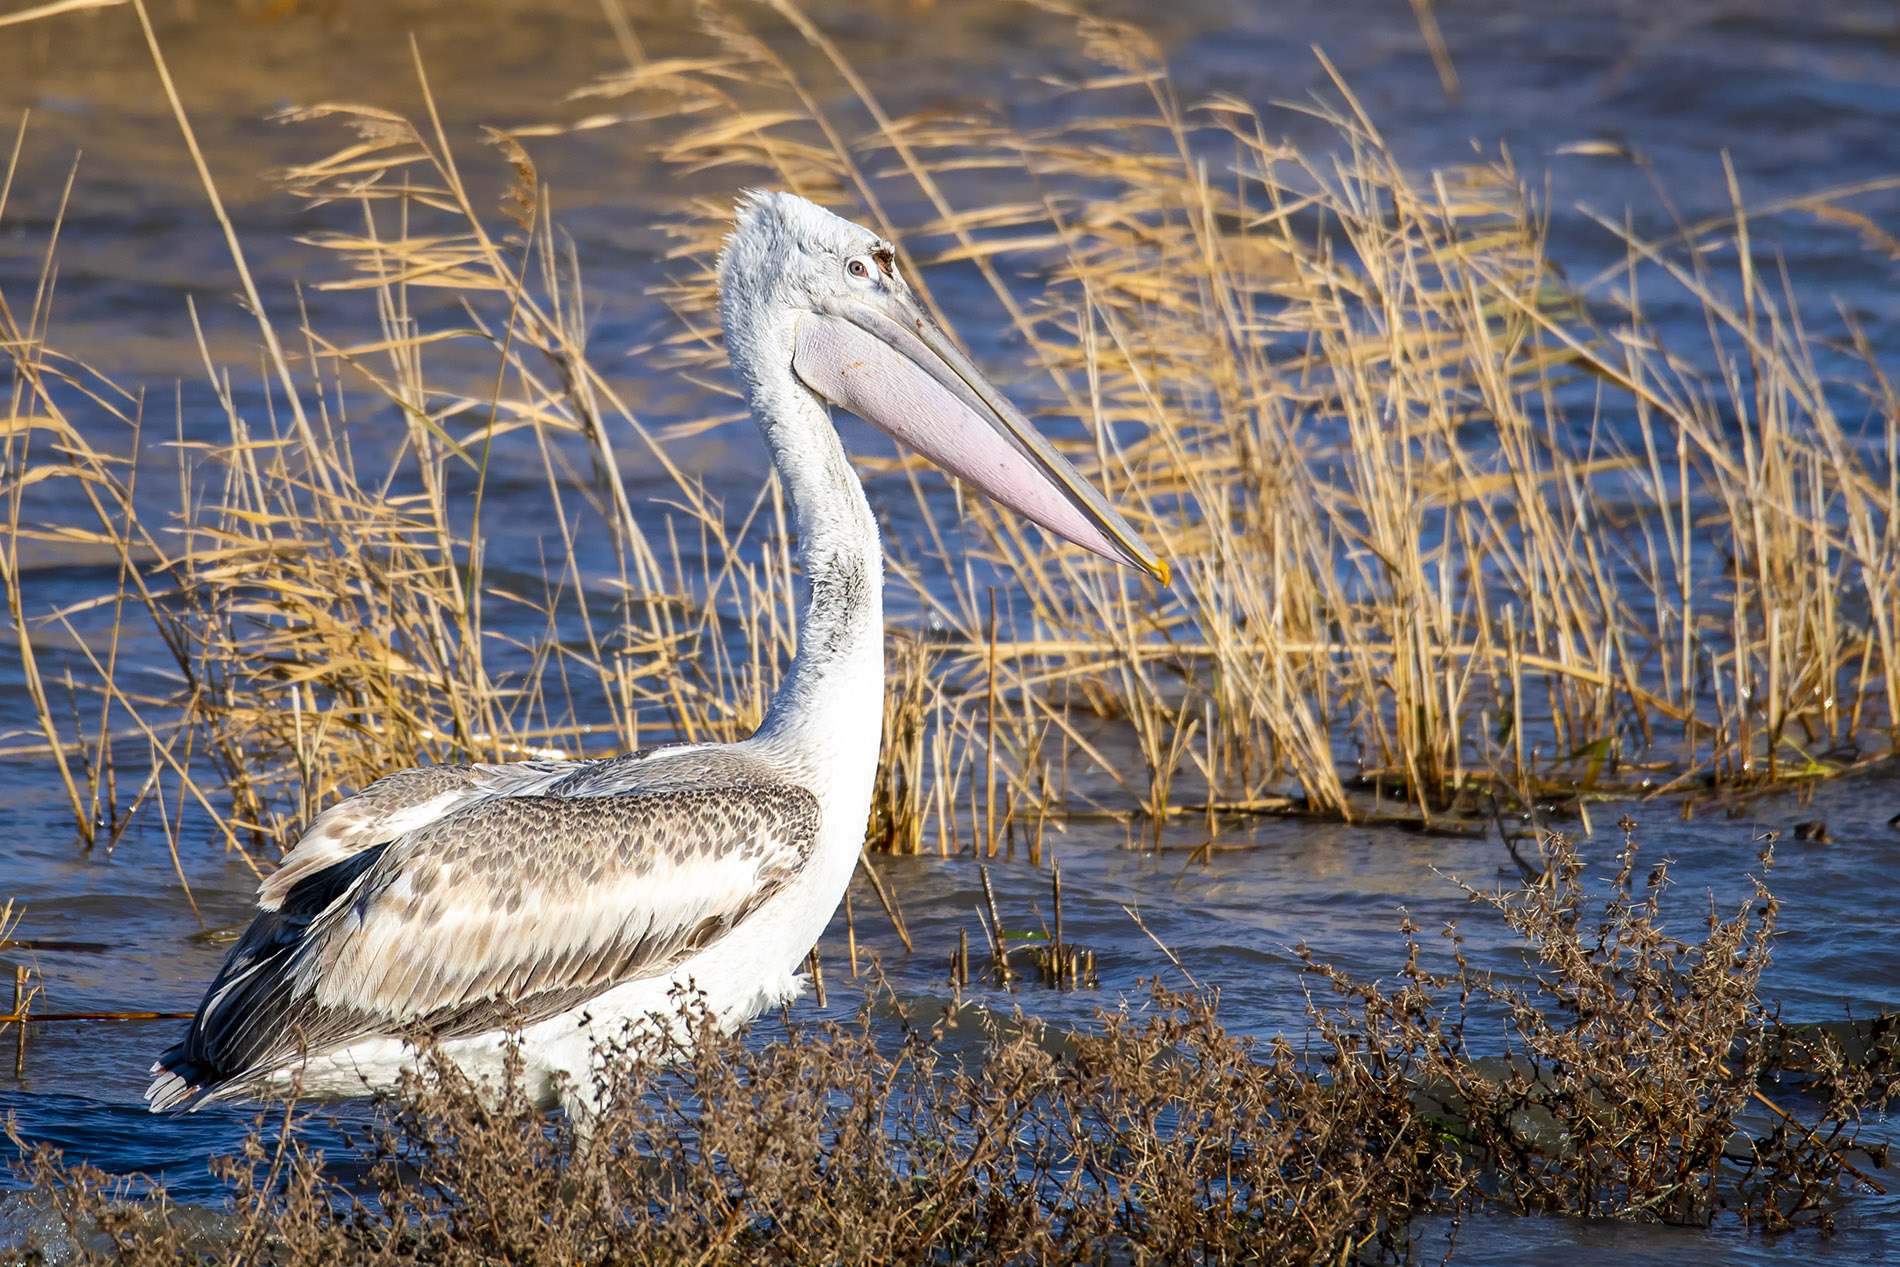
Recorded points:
(1444, 523)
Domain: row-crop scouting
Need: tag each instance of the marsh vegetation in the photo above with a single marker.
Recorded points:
(1445, 525)
(1460, 534)
(1632, 1063)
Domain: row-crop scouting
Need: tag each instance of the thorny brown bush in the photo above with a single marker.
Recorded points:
(1630, 1060)
(1159, 1139)
(1630, 1067)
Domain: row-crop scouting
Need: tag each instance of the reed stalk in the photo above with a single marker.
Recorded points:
(1441, 520)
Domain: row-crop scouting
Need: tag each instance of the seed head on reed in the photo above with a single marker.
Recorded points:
(1433, 505)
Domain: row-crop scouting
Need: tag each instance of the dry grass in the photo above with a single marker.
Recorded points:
(317, 590)
(1441, 521)
(1430, 503)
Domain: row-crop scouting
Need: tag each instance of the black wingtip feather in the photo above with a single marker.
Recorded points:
(245, 1023)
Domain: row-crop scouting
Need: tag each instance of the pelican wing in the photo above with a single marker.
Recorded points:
(504, 911)
(395, 805)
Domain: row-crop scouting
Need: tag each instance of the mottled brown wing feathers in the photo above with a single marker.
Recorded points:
(548, 895)
(504, 911)
(398, 804)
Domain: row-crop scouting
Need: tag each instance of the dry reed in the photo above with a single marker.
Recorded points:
(1440, 519)
(1429, 502)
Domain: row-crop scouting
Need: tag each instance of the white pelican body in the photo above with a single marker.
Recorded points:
(566, 901)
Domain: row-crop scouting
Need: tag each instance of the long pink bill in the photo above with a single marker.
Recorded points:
(890, 365)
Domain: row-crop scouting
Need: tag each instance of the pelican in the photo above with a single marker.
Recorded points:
(563, 901)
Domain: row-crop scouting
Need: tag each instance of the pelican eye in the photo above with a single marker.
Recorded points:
(858, 268)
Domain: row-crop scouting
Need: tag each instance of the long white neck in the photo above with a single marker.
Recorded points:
(829, 710)
(834, 690)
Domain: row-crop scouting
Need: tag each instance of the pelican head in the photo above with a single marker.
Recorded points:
(797, 281)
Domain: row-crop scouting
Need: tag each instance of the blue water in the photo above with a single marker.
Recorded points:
(1800, 102)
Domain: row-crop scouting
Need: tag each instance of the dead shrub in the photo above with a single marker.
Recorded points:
(1623, 1081)
(1629, 1079)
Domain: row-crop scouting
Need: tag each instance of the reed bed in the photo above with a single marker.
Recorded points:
(1441, 518)
(1447, 527)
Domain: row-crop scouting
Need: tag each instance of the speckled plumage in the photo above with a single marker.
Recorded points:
(541, 887)
(569, 902)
